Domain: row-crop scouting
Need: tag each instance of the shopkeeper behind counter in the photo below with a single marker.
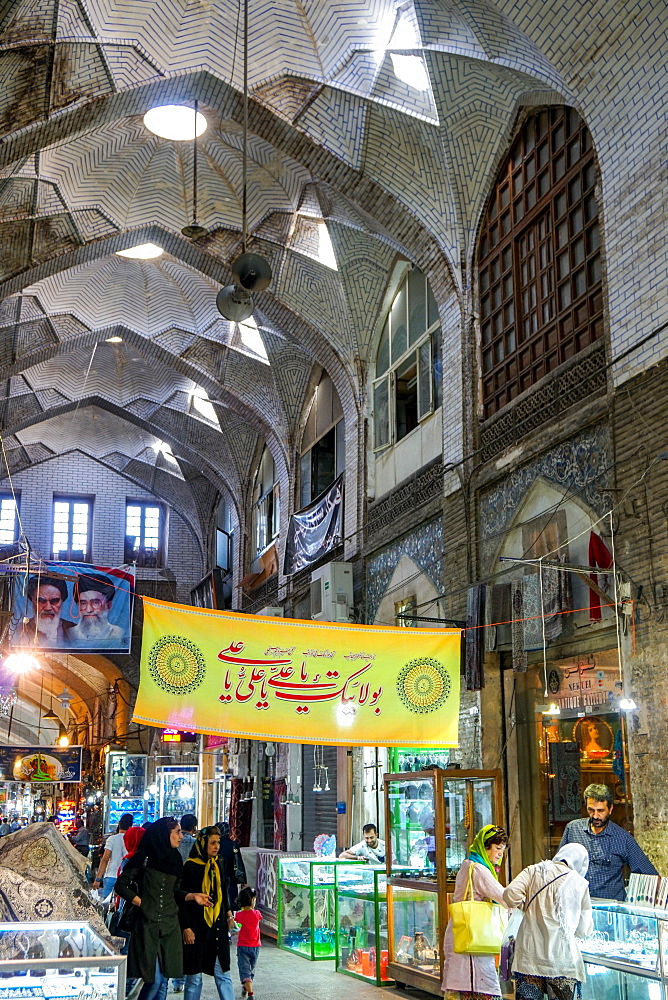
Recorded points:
(370, 849)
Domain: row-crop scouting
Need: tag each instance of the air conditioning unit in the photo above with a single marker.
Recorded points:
(271, 612)
(332, 592)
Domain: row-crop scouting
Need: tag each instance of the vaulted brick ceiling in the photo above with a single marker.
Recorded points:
(383, 117)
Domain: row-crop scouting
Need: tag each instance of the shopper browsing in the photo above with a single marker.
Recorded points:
(248, 945)
(114, 852)
(370, 849)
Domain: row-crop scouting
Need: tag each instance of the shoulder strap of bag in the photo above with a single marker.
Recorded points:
(544, 887)
(469, 884)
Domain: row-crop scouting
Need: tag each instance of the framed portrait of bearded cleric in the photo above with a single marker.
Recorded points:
(71, 606)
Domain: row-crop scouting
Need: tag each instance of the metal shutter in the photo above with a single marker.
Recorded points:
(318, 808)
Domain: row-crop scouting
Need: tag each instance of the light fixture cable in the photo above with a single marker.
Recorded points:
(244, 161)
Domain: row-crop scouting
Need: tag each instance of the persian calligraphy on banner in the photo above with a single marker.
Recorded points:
(297, 681)
(315, 530)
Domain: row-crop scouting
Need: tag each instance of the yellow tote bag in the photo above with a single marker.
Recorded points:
(477, 927)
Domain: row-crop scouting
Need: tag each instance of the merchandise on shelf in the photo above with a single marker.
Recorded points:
(431, 818)
(126, 790)
(58, 960)
(306, 905)
(626, 956)
(361, 918)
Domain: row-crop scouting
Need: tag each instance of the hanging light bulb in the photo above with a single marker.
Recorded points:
(185, 791)
(65, 698)
(21, 662)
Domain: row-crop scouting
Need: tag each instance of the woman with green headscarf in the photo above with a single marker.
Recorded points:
(206, 943)
(474, 977)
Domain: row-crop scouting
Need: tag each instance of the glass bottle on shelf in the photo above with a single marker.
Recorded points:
(423, 953)
(353, 956)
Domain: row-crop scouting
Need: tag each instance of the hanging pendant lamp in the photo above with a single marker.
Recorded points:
(250, 271)
(194, 230)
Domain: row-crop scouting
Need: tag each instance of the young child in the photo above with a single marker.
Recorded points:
(248, 945)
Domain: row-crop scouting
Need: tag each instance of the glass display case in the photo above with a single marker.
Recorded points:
(431, 818)
(177, 789)
(306, 905)
(361, 919)
(625, 957)
(402, 759)
(125, 790)
(59, 960)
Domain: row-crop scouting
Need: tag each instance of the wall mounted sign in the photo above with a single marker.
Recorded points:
(176, 736)
(40, 764)
(282, 679)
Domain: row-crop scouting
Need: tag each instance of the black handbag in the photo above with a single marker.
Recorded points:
(126, 912)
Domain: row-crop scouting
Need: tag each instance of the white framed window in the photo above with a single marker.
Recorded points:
(322, 452)
(9, 520)
(144, 533)
(407, 387)
(266, 504)
(72, 520)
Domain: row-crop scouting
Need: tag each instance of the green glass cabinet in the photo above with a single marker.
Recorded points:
(306, 906)
(361, 919)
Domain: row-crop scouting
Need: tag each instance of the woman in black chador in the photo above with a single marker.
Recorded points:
(151, 881)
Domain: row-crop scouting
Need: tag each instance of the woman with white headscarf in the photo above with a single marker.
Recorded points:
(557, 910)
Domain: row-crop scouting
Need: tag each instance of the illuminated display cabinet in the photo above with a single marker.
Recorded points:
(125, 789)
(361, 917)
(58, 960)
(626, 957)
(431, 818)
(306, 905)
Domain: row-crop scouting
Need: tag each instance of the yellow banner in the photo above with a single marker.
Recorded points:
(297, 681)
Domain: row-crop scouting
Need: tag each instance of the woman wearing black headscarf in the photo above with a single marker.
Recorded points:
(206, 943)
(231, 862)
(151, 882)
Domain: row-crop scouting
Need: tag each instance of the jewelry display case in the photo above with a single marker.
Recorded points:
(361, 918)
(431, 818)
(625, 957)
(58, 961)
(306, 905)
(125, 789)
(177, 789)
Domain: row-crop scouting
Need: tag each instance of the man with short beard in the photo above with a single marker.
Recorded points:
(94, 595)
(46, 628)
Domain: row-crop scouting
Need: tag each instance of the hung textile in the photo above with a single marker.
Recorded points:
(475, 608)
(533, 626)
(599, 555)
(498, 610)
(517, 627)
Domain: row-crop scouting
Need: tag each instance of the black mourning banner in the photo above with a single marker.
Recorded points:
(315, 530)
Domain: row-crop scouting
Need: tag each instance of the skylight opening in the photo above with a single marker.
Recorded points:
(410, 70)
(251, 338)
(143, 251)
(200, 402)
(162, 448)
(404, 35)
(176, 122)
(326, 253)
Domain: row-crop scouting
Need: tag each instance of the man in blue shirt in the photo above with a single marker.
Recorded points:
(610, 847)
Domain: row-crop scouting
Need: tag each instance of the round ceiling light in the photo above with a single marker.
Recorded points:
(174, 121)
(143, 251)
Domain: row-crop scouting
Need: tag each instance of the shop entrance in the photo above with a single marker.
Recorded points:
(561, 752)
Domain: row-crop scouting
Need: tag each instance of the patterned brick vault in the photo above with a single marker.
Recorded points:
(382, 120)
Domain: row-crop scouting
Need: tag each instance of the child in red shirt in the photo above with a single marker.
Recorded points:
(248, 945)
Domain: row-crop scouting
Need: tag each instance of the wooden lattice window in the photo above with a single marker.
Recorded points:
(541, 297)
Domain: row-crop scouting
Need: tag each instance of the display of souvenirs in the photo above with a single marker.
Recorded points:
(84, 966)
